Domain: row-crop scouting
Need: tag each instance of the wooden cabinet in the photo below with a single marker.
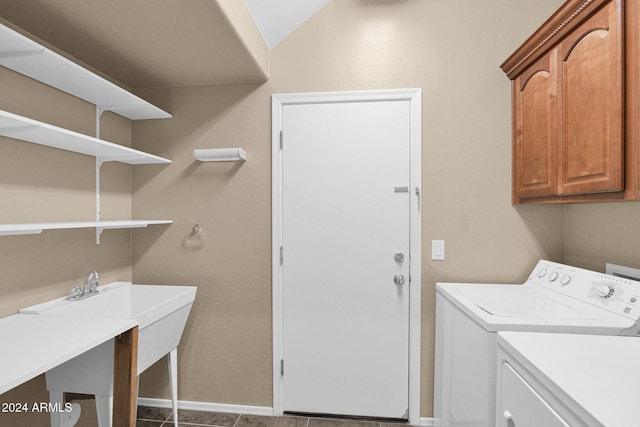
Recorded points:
(632, 95)
(590, 105)
(535, 130)
(568, 106)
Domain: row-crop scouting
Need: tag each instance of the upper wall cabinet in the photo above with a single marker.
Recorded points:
(568, 82)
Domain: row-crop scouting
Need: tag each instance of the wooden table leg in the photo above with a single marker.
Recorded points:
(125, 366)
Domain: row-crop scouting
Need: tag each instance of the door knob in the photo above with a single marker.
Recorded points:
(398, 279)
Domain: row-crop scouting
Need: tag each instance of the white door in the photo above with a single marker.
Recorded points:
(345, 257)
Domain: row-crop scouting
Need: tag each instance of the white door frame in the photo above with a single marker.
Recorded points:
(414, 96)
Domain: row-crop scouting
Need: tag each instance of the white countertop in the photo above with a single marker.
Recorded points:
(32, 344)
(601, 374)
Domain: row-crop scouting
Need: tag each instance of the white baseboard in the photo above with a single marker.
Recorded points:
(207, 407)
(236, 409)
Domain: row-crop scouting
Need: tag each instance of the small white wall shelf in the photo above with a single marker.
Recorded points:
(220, 155)
(18, 127)
(37, 228)
(25, 56)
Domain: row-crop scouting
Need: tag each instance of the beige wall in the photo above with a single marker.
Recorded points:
(604, 232)
(225, 353)
(450, 49)
(39, 184)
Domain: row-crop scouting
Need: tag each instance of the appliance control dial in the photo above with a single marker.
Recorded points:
(605, 291)
(553, 276)
(565, 280)
(542, 273)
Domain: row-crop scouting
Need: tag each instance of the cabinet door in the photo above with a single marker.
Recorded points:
(520, 406)
(632, 101)
(535, 130)
(591, 105)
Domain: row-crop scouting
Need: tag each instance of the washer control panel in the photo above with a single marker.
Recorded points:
(616, 294)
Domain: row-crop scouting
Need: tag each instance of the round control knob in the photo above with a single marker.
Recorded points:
(604, 291)
(542, 273)
(565, 280)
(553, 276)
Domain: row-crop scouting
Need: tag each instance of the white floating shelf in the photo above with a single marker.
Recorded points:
(37, 228)
(25, 56)
(18, 127)
(220, 154)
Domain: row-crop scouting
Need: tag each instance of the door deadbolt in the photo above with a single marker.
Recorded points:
(398, 257)
(399, 279)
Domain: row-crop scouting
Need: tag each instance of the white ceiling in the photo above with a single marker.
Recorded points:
(276, 19)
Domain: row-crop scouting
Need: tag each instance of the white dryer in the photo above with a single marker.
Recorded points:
(555, 298)
(567, 380)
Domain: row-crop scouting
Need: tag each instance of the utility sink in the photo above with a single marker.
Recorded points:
(161, 312)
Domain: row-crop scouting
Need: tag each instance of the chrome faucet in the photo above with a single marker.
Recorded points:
(89, 288)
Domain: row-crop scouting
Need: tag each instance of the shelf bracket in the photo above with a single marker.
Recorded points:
(20, 53)
(99, 161)
(99, 111)
(99, 231)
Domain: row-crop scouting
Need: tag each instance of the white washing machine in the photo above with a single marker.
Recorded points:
(555, 298)
(567, 380)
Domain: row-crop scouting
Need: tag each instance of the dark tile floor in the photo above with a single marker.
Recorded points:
(160, 417)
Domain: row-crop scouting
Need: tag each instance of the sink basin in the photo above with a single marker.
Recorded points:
(161, 312)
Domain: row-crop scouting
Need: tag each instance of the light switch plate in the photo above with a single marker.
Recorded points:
(437, 250)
